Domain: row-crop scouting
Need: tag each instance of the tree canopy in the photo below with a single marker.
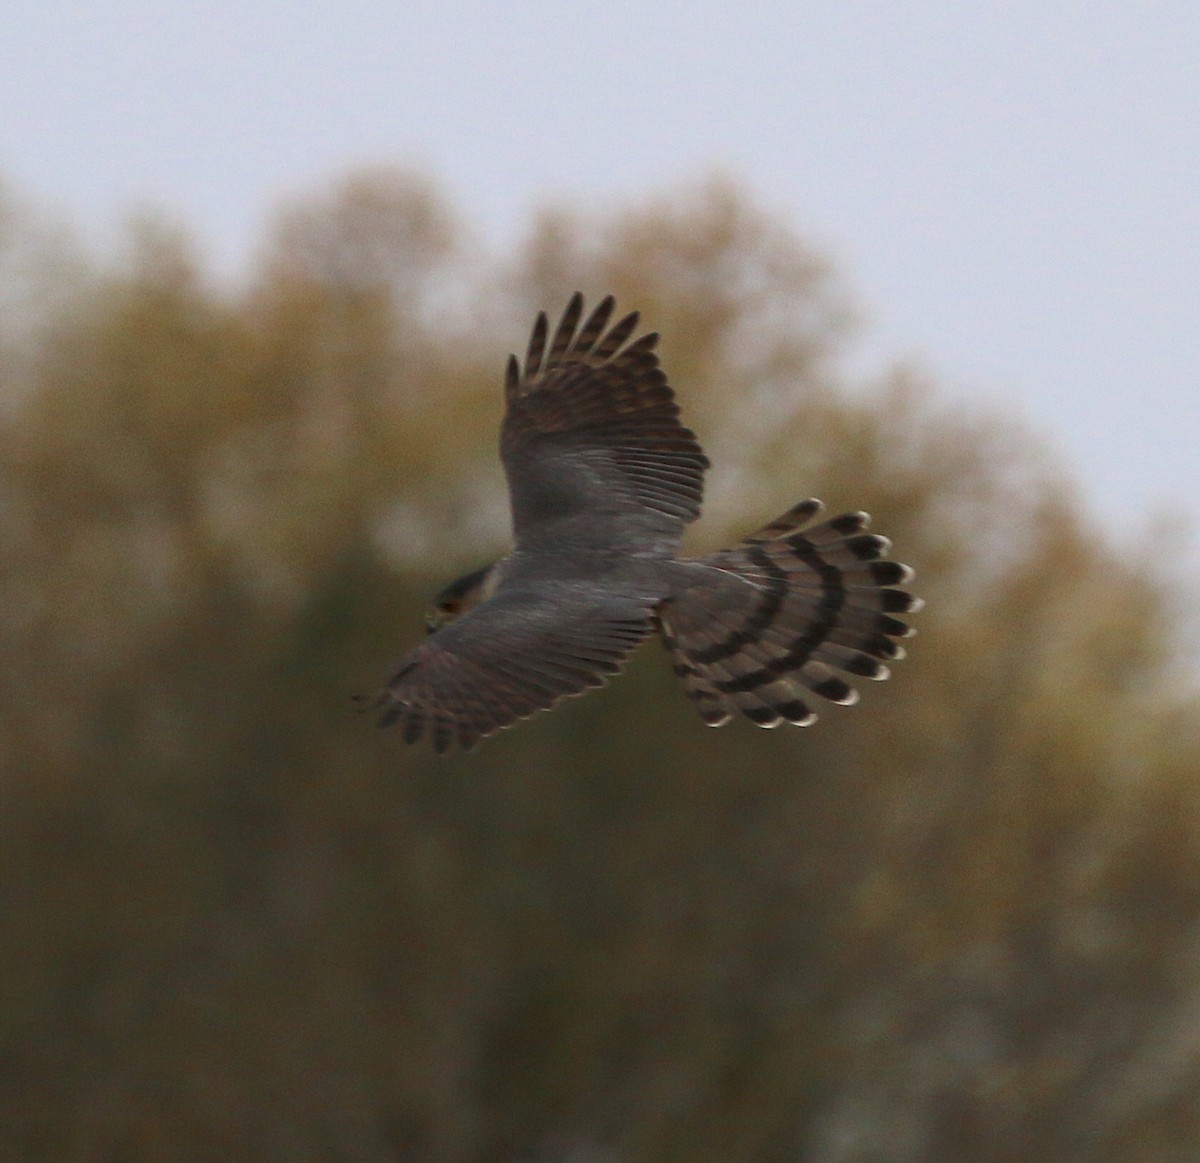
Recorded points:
(957, 922)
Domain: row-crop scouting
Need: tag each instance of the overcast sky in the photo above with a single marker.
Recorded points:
(1013, 189)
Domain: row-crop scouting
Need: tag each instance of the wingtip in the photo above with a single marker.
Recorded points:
(537, 345)
(564, 333)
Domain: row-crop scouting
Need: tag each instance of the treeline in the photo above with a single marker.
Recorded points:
(958, 922)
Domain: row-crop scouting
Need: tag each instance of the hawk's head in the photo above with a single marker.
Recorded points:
(459, 596)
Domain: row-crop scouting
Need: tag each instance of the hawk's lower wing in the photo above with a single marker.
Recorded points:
(517, 653)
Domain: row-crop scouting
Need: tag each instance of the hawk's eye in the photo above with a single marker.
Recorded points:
(442, 613)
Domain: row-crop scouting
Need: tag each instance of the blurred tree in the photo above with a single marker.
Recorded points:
(955, 923)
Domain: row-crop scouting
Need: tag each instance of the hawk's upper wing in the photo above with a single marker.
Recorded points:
(519, 652)
(592, 445)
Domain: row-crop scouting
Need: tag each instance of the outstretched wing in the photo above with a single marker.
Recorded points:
(592, 445)
(517, 653)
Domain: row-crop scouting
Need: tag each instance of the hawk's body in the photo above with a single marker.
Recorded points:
(603, 478)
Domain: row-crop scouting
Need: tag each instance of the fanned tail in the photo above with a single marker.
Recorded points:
(761, 627)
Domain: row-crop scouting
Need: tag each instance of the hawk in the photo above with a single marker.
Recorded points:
(602, 479)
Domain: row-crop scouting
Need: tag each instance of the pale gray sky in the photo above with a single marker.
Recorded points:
(1013, 188)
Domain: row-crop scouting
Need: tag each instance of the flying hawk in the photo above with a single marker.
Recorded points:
(602, 478)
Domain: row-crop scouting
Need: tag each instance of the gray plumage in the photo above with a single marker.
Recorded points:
(602, 479)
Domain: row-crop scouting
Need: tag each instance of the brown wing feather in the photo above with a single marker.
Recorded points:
(592, 442)
(517, 653)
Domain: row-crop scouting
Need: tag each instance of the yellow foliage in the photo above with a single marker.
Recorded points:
(954, 923)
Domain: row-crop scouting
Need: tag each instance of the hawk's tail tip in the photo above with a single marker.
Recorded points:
(783, 612)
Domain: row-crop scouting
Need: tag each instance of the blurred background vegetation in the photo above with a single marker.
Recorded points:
(960, 922)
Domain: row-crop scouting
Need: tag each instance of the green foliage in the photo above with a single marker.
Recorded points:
(237, 922)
